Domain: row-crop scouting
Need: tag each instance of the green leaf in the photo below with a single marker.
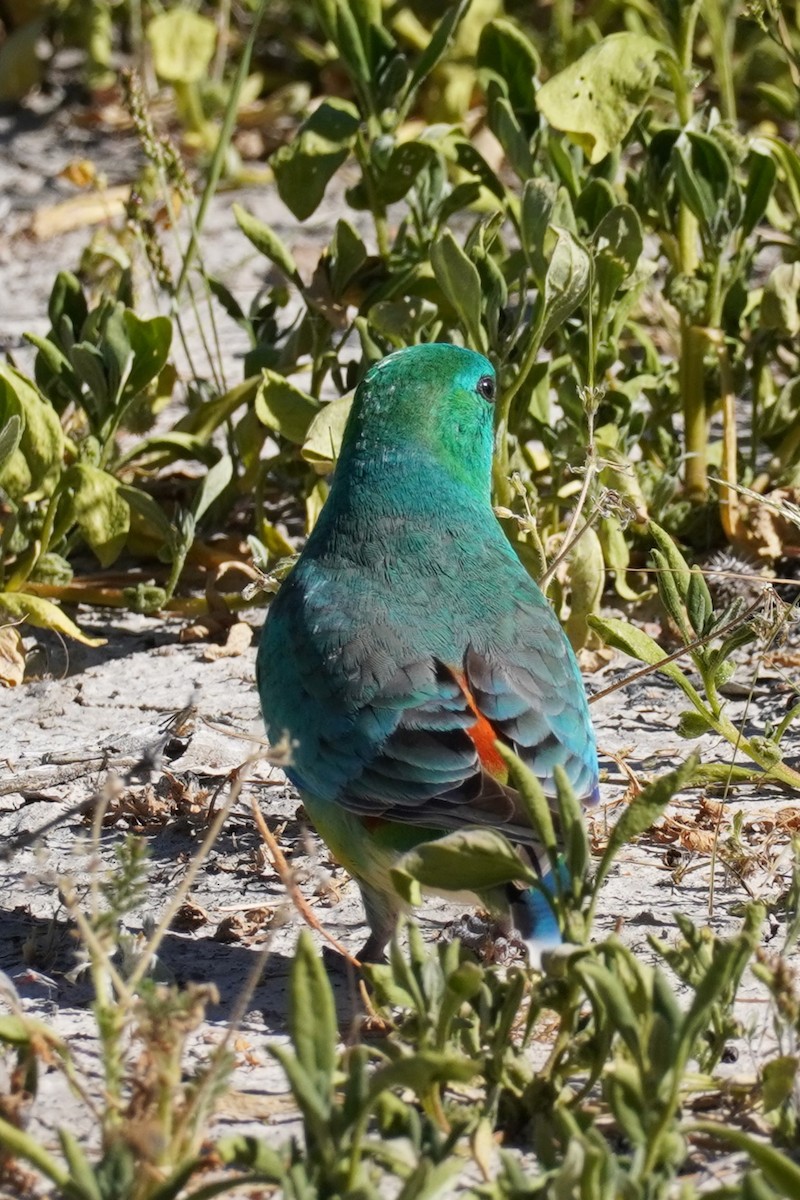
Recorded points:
(460, 282)
(596, 99)
(536, 211)
(778, 1169)
(324, 437)
(213, 485)
(506, 52)
(536, 804)
(43, 614)
(240, 1150)
(347, 255)
(780, 300)
(304, 168)
(470, 860)
(10, 438)
(182, 44)
(284, 407)
(760, 182)
(101, 513)
(150, 342)
(635, 642)
(644, 810)
(149, 509)
(312, 1014)
(699, 605)
(41, 439)
(566, 281)
(440, 39)
(404, 165)
(586, 577)
(677, 563)
(778, 1078)
(420, 1070)
(618, 243)
(692, 724)
(67, 300)
(267, 242)
(704, 177)
(402, 320)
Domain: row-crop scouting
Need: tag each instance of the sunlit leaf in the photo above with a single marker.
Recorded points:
(44, 614)
(596, 99)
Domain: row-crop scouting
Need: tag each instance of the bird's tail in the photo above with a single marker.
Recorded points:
(533, 915)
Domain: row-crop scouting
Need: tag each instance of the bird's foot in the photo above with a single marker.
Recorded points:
(488, 939)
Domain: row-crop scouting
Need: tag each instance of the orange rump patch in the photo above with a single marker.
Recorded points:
(483, 736)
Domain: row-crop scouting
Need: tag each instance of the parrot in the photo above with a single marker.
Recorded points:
(408, 640)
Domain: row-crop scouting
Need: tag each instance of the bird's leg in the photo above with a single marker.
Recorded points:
(382, 913)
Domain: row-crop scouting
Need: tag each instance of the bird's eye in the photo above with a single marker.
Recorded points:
(486, 387)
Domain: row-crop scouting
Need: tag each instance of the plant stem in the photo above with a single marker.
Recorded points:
(695, 421)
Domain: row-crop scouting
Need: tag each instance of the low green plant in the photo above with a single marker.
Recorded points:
(710, 639)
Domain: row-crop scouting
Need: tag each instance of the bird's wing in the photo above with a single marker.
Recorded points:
(401, 735)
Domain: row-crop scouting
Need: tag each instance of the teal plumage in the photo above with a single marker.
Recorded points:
(408, 636)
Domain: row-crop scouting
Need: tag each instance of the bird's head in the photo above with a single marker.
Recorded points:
(435, 402)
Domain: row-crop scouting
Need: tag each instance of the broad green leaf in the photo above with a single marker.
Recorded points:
(692, 724)
(324, 437)
(536, 212)
(505, 126)
(458, 278)
(596, 99)
(780, 301)
(470, 860)
(171, 446)
(150, 341)
(506, 52)
(148, 508)
(44, 614)
(21, 65)
(760, 182)
(618, 242)
(182, 44)
(213, 485)
(404, 165)
(704, 177)
(566, 281)
(304, 167)
(644, 810)
(402, 320)
(284, 407)
(586, 577)
(67, 300)
(638, 644)
(347, 254)
(41, 439)
(267, 242)
(101, 513)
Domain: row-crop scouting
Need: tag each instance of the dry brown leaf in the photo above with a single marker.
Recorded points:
(79, 211)
(189, 916)
(701, 841)
(594, 660)
(239, 638)
(12, 656)
(81, 172)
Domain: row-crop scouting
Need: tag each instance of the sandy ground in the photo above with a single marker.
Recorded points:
(95, 718)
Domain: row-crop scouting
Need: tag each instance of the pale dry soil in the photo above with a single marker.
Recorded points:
(95, 721)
